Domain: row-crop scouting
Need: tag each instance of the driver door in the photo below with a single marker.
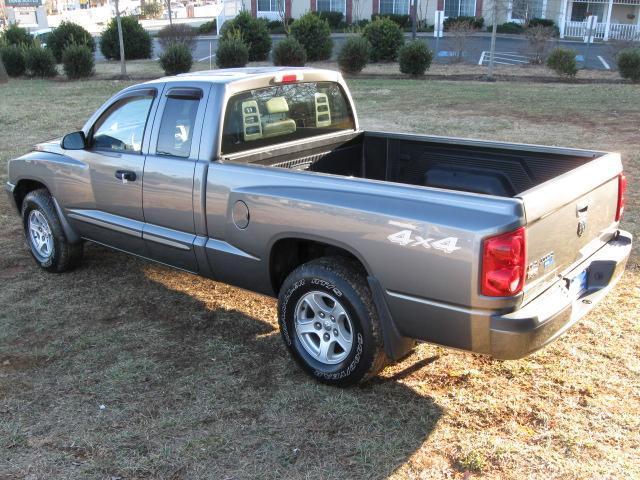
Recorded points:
(115, 165)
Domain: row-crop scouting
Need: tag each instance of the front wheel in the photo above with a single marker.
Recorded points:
(329, 322)
(44, 234)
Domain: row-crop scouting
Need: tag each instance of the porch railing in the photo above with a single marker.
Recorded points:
(617, 31)
(624, 31)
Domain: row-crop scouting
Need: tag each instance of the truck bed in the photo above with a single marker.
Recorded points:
(558, 187)
(454, 164)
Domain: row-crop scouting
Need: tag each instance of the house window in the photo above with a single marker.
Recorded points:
(269, 5)
(331, 6)
(527, 9)
(460, 8)
(398, 7)
(581, 10)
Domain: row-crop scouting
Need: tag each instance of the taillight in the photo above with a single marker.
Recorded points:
(622, 188)
(503, 264)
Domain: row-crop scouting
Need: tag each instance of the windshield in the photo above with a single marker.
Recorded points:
(272, 115)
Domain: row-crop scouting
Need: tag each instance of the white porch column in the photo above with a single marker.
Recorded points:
(544, 8)
(562, 18)
(607, 24)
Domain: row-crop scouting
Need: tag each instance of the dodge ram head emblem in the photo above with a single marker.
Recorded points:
(582, 226)
(581, 212)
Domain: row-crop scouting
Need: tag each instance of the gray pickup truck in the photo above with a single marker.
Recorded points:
(262, 178)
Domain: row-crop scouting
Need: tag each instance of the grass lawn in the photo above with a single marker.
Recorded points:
(196, 384)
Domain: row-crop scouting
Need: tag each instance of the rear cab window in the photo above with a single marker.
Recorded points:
(282, 113)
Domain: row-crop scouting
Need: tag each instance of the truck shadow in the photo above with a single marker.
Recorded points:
(268, 411)
(196, 383)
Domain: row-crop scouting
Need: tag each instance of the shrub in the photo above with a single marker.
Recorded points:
(314, 35)
(415, 58)
(508, 27)
(68, 34)
(354, 55)
(289, 52)
(177, 33)
(40, 62)
(385, 38)
(629, 64)
(563, 62)
(476, 22)
(543, 22)
(152, 10)
(403, 21)
(77, 61)
(254, 33)
(137, 42)
(176, 59)
(232, 51)
(15, 35)
(13, 58)
(334, 19)
(207, 27)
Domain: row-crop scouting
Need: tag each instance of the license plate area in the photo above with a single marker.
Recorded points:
(578, 284)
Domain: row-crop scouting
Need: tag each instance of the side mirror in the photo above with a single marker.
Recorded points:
(74, 141)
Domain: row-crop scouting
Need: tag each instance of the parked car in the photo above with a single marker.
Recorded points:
(262, 178)
(42, 35)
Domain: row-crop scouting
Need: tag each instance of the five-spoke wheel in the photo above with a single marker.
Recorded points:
(323, 327)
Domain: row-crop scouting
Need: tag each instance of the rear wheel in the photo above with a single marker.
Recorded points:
(44, 234)
(329, 322)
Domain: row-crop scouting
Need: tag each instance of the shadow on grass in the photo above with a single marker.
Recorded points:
(191, 389)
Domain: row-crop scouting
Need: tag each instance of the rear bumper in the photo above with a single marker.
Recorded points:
(547, 317)
(9, 188)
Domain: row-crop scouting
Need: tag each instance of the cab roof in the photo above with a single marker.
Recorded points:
(231, 75)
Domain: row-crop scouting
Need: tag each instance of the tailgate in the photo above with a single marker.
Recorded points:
(568, 219)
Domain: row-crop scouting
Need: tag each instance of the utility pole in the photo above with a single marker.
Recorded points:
(414, 11)
(494, 32)
(123, 64)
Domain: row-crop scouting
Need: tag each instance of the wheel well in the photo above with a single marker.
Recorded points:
(289, 253)
(22, 188)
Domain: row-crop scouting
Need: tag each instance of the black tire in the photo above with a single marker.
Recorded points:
(343, 279)
(64, 256)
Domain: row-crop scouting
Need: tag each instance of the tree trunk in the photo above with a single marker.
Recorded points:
(494, 31)
(169, 11)
(123, 63)
(4, 78)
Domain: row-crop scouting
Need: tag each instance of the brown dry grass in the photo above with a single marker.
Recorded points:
(196, 384)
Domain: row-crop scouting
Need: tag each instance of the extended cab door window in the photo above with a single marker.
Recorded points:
(178, 124)
(121, 127)
(281, 113)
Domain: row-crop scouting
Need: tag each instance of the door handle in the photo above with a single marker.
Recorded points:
(126, 176)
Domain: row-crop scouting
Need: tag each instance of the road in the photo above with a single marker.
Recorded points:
(509, 50)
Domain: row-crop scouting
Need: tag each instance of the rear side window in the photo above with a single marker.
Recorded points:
(176, 127)
(121, 127)
(272, 115)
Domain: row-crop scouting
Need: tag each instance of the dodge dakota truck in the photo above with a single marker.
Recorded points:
(262, 178)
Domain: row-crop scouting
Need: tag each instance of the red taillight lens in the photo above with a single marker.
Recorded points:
(622, 188)
(503, 264)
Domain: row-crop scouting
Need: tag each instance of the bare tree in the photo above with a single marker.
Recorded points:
(123, 63)
(460, 32)
(499, 10)
(282, 15)
(169, 12)
(538, 37)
